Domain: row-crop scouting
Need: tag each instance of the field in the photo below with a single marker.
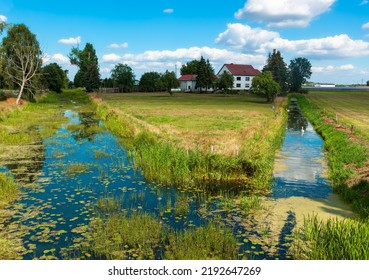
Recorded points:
(229, 128)
(350, 108)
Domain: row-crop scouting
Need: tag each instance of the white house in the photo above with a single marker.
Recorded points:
(242, 74)
(187, 83)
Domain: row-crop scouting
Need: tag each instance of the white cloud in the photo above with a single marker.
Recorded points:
(283, 13)
(3, 18)
(168, 11)
(247, 39)
(58, 58)
(118, 46)
(167, 59)
(70, 41)
(364, 2)
(332, 69)
(244, 37)
(365, 25)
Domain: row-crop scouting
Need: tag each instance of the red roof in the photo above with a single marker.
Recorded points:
(242, 70)
(188, 78)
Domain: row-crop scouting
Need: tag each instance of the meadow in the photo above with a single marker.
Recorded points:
(198, 139)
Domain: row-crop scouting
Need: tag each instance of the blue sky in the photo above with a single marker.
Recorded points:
(164, 34)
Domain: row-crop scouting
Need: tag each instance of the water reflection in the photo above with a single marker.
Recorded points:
(300, 165)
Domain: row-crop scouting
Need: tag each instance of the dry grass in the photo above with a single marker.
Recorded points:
(217, 123)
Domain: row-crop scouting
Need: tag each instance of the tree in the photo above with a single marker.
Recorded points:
(205, 75)
(190, 68)
(21, 55)
(300, 70)
(265, 85)
(53, 77)
(276, 65)
(367, 83)
(225, 81)
(169, 81)
(88, 75)
(150, 81)
(123, 77)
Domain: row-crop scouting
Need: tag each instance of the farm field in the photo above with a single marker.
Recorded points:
(351, 108)
(199, 121)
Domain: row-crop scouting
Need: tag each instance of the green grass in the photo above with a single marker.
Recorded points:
(75, 168)
(333, 240)
(8, 189)
(345, 156)
(194, 140)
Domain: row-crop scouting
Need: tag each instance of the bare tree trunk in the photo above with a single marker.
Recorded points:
(20, 93)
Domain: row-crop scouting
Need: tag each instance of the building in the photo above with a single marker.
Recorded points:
(242, 74)
(187, 83)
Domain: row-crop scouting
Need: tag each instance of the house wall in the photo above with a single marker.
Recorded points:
(187, 86)
(240, 82)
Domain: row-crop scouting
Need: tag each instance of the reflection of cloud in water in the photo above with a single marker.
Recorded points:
(300, 166)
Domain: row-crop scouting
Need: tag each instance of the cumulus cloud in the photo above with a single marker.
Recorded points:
(118, 46)
(365, 25)
(58, 58)
(284, 13)
(168, 11)
(244, 37)
(247, 39)
(70, 41)
(162, 60)
(3, 18)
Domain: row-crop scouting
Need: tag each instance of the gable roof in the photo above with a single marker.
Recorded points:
(242, 70)
(190, 77)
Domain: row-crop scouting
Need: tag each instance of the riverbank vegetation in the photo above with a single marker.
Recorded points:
(340, 119)
(197, 141)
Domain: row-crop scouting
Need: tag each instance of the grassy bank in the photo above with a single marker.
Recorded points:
(333, 116)
(347, 154)
(197, 141)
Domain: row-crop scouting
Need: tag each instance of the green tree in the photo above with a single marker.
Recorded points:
(265, 85)
(21, 56)
(276, 65)
(169, 81)
(300, 70)
(88, 75)
(224, 81)
(205, 75)
(190, 68)
(150, 81)
(123, 77)
(53, 77)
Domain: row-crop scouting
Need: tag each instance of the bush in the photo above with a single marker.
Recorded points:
(3, 96)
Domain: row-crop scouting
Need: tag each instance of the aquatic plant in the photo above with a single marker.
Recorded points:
(8, 188)
(211, 242)
(74, 168)
(333, 240)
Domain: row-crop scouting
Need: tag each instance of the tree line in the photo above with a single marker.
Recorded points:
(21, 67)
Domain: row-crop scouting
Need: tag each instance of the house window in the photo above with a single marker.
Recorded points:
(247, 79)
(247, 85)
(238, 85)
(238, 78)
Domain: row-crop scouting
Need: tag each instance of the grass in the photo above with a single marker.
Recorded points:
(347, 154)
(8, 189)
(198, 140)
(142, 236)
(75, 168)
(333, 240)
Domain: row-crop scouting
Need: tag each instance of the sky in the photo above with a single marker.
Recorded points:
(164, 34)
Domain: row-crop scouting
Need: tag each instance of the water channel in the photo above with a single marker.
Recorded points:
(78, 165)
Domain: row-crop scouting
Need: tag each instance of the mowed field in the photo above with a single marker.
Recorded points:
(221, 124)
(351, 108)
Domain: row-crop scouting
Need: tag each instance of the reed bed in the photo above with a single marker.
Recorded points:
(333, 240)
(8, 189)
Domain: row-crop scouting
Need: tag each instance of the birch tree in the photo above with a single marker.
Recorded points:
(22, 59)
